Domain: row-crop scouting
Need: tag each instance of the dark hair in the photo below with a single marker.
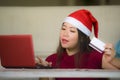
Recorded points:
(83, 41)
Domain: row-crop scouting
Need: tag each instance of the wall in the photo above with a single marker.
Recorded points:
(44, 24)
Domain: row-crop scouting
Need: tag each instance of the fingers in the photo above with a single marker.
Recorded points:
(109, 49)
(36, 60)
(109, 46)
(39, 61)
(50, 64)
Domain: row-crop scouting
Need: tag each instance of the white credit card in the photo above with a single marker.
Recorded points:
(97, 44)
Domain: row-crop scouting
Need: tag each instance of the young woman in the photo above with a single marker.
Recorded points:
(74, 50)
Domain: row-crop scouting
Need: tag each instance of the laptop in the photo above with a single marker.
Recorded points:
(16, 51)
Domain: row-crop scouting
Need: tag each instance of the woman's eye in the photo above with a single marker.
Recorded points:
(63, 29)
(72, 31)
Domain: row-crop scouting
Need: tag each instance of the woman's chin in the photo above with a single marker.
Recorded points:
(65, 46)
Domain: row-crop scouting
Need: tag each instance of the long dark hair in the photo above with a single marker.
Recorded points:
(83, 41)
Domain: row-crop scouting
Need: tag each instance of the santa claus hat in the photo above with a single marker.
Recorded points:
(84, 21)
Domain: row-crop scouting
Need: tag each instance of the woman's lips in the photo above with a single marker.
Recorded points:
(64, 41)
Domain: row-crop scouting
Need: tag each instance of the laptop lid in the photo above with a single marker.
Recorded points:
(16, 51)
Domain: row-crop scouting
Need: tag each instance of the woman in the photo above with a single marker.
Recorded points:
(74, 50)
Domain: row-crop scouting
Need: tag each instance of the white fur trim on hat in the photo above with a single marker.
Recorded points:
(78, 25)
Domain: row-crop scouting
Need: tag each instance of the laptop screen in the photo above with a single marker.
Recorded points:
(16, 51)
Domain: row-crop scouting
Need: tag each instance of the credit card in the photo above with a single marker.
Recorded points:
(97, 44)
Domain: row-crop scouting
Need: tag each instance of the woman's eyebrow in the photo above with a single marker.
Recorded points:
(70, 26)
(73, 27)
(63, 25)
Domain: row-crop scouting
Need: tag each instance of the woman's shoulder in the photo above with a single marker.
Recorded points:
(95, 56)
(94, 59)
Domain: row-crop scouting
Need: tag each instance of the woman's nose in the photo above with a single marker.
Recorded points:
(66, 34)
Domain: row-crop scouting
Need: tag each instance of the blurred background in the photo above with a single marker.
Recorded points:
(57, 2)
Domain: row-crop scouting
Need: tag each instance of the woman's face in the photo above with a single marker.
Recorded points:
(68, 36)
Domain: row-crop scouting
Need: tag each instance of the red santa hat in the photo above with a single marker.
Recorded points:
(84, 21)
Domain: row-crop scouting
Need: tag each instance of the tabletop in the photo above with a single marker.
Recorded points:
(78, 73)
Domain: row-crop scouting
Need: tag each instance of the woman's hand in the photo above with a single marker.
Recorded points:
(109, 52)
(39, 61)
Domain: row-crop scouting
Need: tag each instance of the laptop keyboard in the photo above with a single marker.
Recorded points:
(38, 66)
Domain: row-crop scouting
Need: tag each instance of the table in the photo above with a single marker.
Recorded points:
(41, 73)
